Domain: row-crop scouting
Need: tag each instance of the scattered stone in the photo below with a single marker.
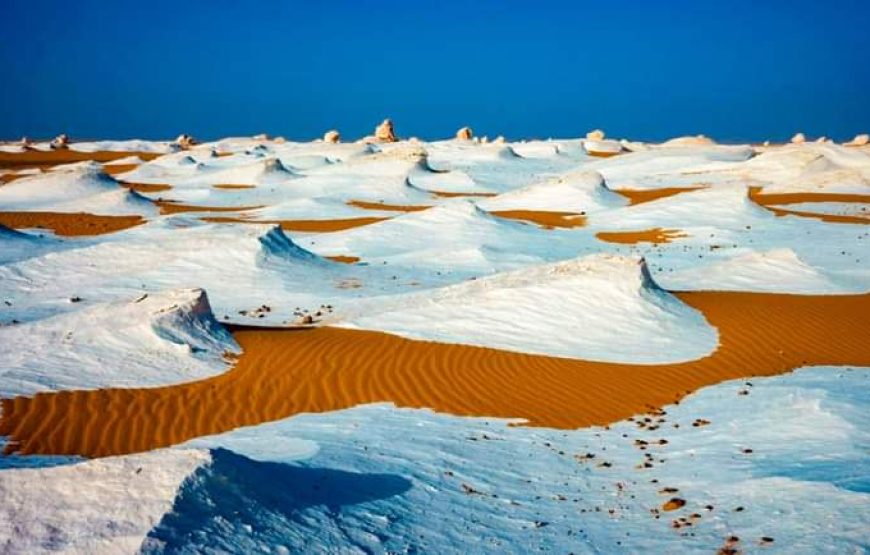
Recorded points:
(470, 490)
(799, 138)
(673, 504)
(331, 136)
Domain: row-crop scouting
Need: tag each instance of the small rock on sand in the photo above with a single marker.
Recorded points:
(331, 136)
(799, 138)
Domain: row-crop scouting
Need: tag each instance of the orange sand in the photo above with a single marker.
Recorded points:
(9, 177)
(40, 159)
(231, 186)
(147, 187)
(314, 226)
(170, 207)
(771, 200)
(115, 169)
(69, 224)
(445, 194)
(655, 235)
(388, 207)
(344, 259)
(548, 220)
(758, 195)
(287, 372)
(639, 196)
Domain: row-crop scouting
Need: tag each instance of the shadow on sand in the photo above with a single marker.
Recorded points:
(236, 500)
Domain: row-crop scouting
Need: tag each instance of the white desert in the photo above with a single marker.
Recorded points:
(584, 344)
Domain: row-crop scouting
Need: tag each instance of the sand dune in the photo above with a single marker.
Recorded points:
(286, 372)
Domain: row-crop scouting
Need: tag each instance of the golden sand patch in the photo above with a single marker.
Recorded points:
(655, 235)
(772, 202)
(313, 226)
(545, 219)
(10, 177)
(43, 159)
(171, 207)
(344, 259)
(115, 169)
(146, 187)
(387, 207)
(69, 224)
(639, 196)
(447, 194)
(285, 372)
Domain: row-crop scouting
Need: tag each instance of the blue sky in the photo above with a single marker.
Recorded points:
(736, 70)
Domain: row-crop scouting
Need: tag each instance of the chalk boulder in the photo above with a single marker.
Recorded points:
(860, 140)
(464, 134)
(595, 135)
(385, 133)
(184, 141)
(60, 142)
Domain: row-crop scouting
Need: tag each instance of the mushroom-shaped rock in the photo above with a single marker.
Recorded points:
(60, 142)
(384, 132)
(595, 135)
(184, 141)
(331, 136)
(859, 140)
(799, 138)
(464, 134)
(691, 140)
(602, 148)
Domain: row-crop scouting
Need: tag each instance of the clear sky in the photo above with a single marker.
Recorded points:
(643, 69)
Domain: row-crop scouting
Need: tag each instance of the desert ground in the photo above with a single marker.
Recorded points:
(390, 345)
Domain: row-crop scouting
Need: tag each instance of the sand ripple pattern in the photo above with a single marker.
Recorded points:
(285, 372)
